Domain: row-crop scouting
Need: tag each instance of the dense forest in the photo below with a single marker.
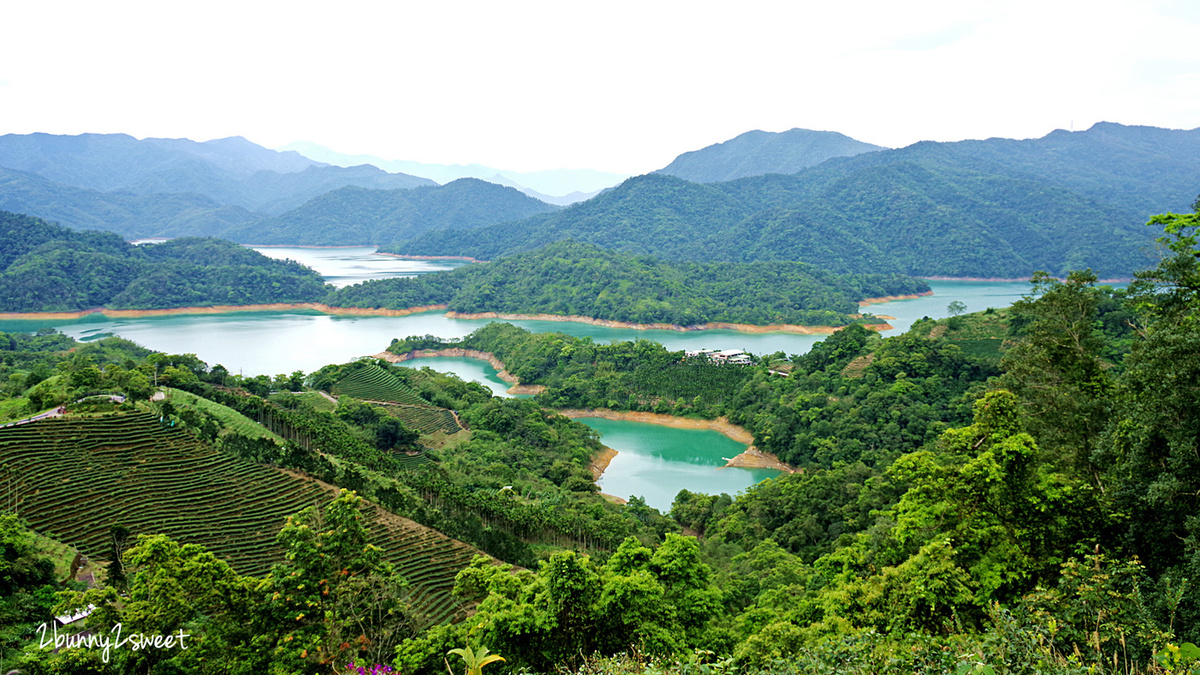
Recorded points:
(1012, 491)
(995, 208)
(45, 267)
(569, 278)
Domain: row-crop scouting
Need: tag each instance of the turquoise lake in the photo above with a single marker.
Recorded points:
(654, 462)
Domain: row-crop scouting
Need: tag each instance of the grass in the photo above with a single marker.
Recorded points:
(231, 421)
(62, 554)
(979, 334)
(12, 409)
(313, 399)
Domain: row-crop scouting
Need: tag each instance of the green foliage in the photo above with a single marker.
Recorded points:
(50, 268)
(27, 586)
(995, 208)
(573, 279)
(368, 215)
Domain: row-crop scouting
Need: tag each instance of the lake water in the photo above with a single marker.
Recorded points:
(349, 265)
(270, 343)
(654, 462)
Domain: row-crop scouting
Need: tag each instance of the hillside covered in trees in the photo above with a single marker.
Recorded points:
(354, 215)
(45, 268)
(995, 208)
(574, 279)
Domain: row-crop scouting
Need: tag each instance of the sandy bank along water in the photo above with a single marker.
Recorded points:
(502, 372)
(742, 327)
(367, 311)
(216, 309)
(889, 298)
(751, 458)
(601, 461)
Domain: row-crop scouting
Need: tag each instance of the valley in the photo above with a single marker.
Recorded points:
(306, 456)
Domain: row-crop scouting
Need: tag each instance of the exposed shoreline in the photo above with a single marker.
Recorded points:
(313, 246)
(363, 311)
(215, 309)
(608, 323)
(1116, 280)
(465, 258)
(888, 298)
(751, 457)
(601, 460)
(501, 370)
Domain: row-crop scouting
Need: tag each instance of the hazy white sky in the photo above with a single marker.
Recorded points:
(617, 85)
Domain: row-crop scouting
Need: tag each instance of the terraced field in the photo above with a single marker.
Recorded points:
(424, 419)
(72, 478)
(372, 383)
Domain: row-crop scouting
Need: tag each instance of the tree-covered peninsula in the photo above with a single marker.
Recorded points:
(581, 280)
(45, 267)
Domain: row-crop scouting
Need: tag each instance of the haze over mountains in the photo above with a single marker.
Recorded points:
(230, 171)
(555, 186)
(993, 208)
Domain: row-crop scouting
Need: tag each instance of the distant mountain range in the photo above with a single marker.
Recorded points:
(994, 208)
(756, 153)
(556, 186)
(229, 171)
(234, 189)
(354, 215)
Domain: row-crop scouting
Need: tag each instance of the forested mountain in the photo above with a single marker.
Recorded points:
(46, 267)
(131, 215)
(756, 153)
(230, 171)
(354, 215)
(342, 216)
(995, 208)
(574, 279)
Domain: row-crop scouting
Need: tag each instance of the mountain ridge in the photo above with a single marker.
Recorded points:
(756, 153)
(985, 209)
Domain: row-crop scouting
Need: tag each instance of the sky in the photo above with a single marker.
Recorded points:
(614, 86)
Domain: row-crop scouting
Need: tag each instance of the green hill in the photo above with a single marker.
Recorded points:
(755, 153)
(570, 278)
(46, 267)
(353, 215)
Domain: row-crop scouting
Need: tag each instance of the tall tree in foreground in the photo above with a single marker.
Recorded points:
(1056, 370)
(1154, 446)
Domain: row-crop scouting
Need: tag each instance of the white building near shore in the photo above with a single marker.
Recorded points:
(735, 357)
